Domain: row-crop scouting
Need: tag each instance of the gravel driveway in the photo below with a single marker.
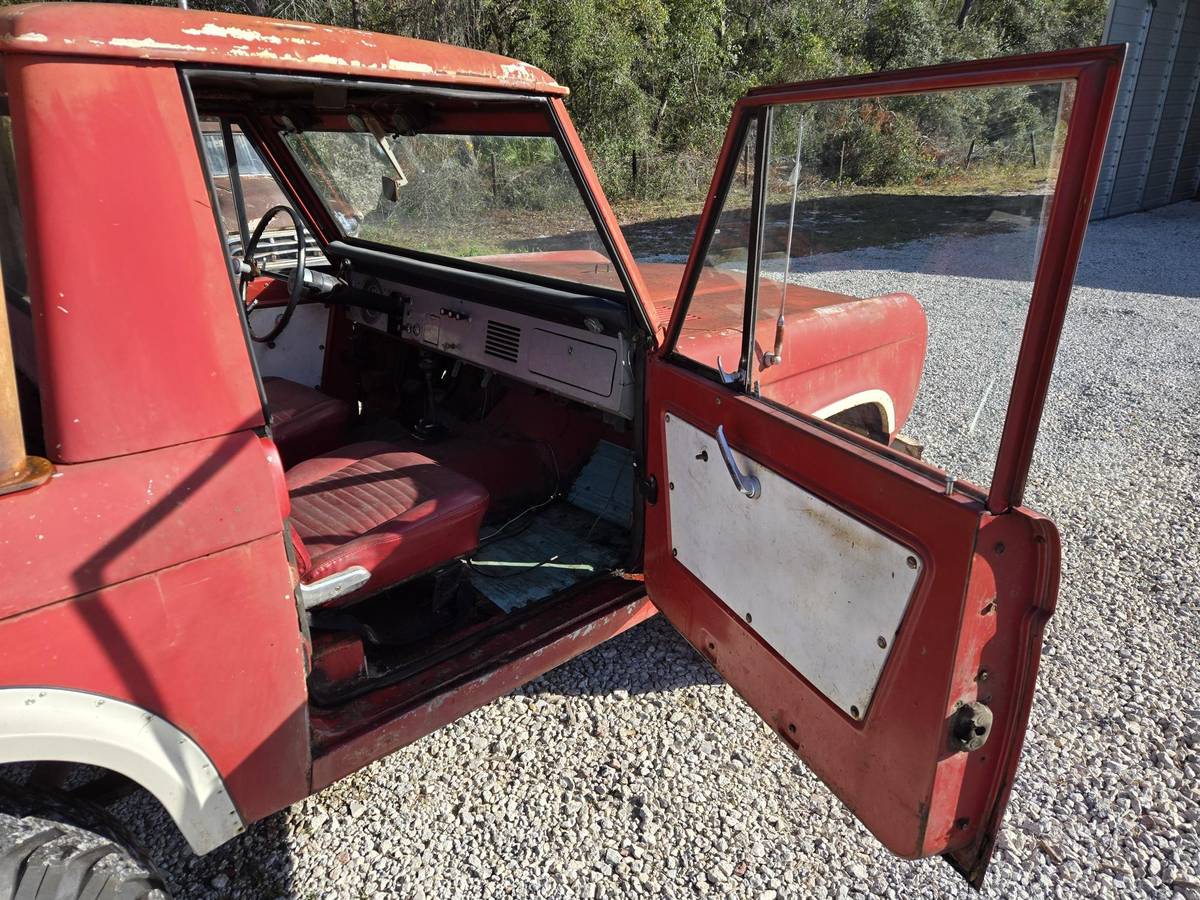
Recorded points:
(634, 770)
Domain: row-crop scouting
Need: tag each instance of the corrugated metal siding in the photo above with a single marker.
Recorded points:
(1187, 177)
(1153, 153)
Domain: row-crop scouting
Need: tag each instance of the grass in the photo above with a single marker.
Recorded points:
(830, 217)
(995, 180)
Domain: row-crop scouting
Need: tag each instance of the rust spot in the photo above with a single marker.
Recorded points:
(831, 521)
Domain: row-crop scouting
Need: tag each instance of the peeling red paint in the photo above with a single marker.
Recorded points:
(193, 36)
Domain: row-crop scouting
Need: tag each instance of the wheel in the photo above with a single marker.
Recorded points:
(49, 859)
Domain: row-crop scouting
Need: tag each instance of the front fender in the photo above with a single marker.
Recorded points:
(873, 349)
(45, 723)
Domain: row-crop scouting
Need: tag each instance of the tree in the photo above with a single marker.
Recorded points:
(653, 81)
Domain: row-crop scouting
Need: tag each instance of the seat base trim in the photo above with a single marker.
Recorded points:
(332, 586)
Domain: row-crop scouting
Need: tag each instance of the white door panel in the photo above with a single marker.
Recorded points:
(299, 353)
(824, 590)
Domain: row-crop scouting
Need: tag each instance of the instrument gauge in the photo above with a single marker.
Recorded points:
(367, 315)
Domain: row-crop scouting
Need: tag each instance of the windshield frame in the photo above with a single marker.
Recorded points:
(554, 131)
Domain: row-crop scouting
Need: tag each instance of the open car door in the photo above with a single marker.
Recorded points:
(883, 614)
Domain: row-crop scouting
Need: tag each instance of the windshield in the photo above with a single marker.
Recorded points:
(509, 201)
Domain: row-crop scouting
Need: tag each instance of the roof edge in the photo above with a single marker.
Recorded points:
(125, 32)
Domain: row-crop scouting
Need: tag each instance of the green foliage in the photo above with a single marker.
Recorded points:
(882, 149)
(653, 81)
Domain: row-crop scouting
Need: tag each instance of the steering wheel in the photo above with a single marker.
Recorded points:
(250, 270)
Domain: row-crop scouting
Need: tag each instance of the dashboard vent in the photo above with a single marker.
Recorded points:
(502, 340)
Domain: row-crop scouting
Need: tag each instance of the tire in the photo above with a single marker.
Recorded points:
(45, 859)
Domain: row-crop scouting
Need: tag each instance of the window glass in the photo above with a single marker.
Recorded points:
(506, 201)
(248, 160)
(260, 192)
(901, 236)
(712, 328)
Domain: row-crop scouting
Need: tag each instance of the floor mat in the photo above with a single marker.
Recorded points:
(568, 543)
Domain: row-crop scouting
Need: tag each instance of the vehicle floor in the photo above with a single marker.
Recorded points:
(561, 546)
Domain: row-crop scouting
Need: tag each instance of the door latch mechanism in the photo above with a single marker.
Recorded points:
(970, 726)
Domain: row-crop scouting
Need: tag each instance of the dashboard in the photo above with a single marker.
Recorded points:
(591, 364)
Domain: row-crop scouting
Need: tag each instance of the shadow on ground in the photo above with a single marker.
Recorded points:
(651, 657)
(830, 226)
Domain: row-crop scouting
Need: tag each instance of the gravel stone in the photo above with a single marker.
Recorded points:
(630, 745)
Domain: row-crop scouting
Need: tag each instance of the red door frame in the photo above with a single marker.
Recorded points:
(1096, 72)
(972, 631)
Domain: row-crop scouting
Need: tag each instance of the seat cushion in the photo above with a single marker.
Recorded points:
(304, 422)
(395, 512)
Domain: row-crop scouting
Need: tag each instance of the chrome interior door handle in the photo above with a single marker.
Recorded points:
(747, 484)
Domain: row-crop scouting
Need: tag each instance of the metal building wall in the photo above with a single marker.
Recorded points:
(1153, 153)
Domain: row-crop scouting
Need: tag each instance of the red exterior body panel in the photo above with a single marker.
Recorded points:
(211, 645)
(834, 346)
(138, 258)
(103, 522)
(876, 344)
(153, 568)
(210, 38)
(1010, 597)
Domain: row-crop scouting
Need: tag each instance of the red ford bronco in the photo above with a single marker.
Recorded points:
(338, 406)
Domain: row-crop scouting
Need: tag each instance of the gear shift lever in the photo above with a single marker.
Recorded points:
(428, 428)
